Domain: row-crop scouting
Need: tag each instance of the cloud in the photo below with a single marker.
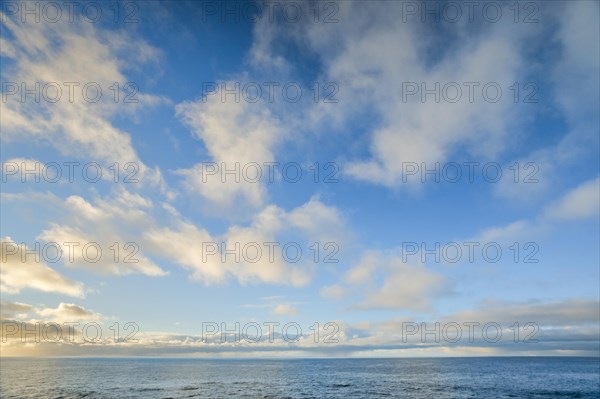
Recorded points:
(576, 73)
(68, 312)
(236, 135)
(574, 82)
(20, 166)
(580, 203)
(404, 287)
(256, 250)
(99, 226)
(21, 270)
(414, 135)
(506, 233)
(384, 281)
(285, 310)
(26, 326)
(568, 327)
(570, 324)
(11, 310)
(184, 246)
(319, 221)
(565, 313)
(133, 222)
(64, 312)
(372, 54)
(276, 304)
(67, 114)
(335, 291)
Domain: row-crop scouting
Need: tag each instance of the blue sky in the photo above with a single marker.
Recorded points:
(389, 76)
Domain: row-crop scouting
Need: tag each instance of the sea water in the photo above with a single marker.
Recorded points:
(514, 377)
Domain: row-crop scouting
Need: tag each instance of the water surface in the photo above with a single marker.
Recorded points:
(539, 377)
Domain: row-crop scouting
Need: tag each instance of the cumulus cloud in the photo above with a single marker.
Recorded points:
(385, 281)
(415, 135)
(64, 312)
(262, 260)
(237, 136)
(22, 270)
(11, 310)
(94, 228)
(68, 312)
(26, 326)
(184, 246)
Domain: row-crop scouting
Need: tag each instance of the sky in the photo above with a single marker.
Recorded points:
(300, 179)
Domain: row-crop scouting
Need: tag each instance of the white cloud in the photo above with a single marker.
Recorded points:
(581, 202)
(236, 135)
(404, 286)
(68, 312)
(193, 247)
(415, 133)
(575, 81)
(285, 310)
(19, 167)
(335, 291)
(323, 223)
(564, 327)
(14, 310)
(50, 53)
(505, 234)
(21, 270)
(100, 225)
(576, 75)
(564, 313)
(371, 52)
(408, 287)
(382, 281)
(184, 246)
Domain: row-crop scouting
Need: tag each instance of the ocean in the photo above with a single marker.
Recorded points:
(512, 377)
